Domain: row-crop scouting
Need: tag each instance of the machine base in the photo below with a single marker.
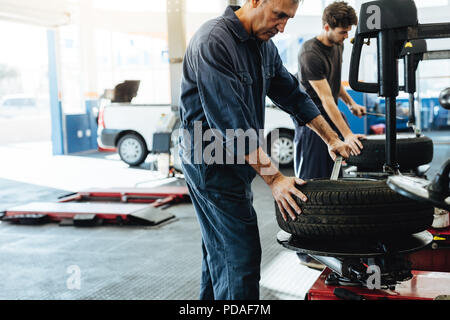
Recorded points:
(364, 262)
(356, 247)
(423, 286)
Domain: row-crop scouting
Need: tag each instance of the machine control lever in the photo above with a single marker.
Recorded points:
(336, 168)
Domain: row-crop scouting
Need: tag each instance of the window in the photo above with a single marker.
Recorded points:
(71, 75)
(203, 6)
(430, 3)
(426, 3)
(200, 11)
(24, 91)
(131, 5)
(124, 56)
(316, 7)
(310, 8)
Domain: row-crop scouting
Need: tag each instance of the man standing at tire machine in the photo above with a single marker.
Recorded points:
(229, 67)
(320, 64)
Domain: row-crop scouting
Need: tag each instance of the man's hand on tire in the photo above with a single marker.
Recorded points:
(338, 147)
(282, 190)
(354, 142)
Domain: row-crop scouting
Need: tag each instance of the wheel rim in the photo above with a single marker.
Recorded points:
(130, 150)
(283, 150)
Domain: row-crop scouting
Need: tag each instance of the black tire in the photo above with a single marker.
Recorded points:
(287, 157)
(412, 152)
(351, 208)
(137, 151)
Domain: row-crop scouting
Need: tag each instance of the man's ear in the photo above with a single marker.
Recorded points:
(326, 27)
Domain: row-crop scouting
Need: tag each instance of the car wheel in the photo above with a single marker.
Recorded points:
(132, 149)
(282, 149)
(412, 152)
(355, 208)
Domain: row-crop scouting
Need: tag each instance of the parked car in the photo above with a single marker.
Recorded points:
(129, 128)
(282, 148)
(17, 105)
(18, 101)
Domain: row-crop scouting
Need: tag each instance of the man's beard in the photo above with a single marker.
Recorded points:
(333, 40)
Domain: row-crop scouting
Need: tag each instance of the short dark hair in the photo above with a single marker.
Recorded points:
(339, 14)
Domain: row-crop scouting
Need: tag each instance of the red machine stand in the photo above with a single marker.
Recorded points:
(423, 286)
(437, 256)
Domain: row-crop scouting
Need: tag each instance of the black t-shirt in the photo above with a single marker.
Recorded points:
(317, 61)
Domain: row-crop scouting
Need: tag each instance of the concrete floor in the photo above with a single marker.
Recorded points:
(126, 262)
(123, 262)
(117, 262)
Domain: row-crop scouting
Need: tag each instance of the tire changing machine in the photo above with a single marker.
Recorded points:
(367, 269)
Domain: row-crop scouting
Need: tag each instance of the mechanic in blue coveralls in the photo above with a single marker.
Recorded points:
(229, 67)
(319, 72)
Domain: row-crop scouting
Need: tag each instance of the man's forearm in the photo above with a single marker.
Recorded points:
(335, 115)
(262, 164)
(343, 94)
(320, 126)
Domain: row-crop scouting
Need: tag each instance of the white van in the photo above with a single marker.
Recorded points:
(129, 128)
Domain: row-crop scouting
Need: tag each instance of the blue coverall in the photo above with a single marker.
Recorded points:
(227, 74)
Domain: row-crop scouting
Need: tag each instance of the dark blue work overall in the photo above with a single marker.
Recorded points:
(226, 77)
(311, 157)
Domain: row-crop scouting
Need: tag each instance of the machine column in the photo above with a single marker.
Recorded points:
(388, 81)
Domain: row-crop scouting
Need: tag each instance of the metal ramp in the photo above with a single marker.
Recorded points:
(91, 207)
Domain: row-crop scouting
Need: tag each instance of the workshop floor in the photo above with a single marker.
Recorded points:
(123, 262)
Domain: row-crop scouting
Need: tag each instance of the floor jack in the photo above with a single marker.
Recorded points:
(97, 206)
(390, 267)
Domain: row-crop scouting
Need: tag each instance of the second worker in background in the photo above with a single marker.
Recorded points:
(320, 64)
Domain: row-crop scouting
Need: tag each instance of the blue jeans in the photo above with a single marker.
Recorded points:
(223, 202)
